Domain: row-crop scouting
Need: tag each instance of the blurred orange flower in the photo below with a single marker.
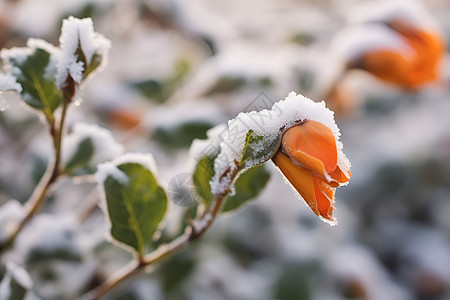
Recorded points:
(408, 70)
(308, 159)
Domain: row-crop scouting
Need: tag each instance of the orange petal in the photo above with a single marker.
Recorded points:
(313, 145)
(300, 178)
(324, 197)
(340, 176)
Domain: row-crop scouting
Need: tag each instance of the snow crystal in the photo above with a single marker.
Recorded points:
(9, 83)
(105, 146)
(351, 43)
(78, 33)
(269, 123)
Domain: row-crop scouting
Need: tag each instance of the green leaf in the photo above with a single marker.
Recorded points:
(203, 174)
(248, 185)
(38, 91)
(259, 149)
(81, 157)
(135, 207)
(181, 136)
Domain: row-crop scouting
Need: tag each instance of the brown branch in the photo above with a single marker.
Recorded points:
(197, 229)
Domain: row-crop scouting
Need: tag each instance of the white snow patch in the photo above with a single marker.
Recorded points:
(184, 112)
(106, 169)
(352, 262)
(105, 146)
(47, 233)
(267, 123)
(10, 214)
(17, 273)
(210, 145)
(9, 83)
(351, 43)
(78, 33)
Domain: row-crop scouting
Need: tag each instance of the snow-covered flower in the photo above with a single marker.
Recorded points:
(308, 159)
(302, 139)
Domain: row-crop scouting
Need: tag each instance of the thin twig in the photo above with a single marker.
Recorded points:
(39, 195)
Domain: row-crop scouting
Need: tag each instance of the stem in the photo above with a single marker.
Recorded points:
(190, 235)
(38, 197)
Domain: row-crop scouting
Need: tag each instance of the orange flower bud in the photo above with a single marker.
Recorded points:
(308, 159)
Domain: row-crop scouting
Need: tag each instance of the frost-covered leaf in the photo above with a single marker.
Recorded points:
(135, 203)
(247, 186)
(38, 89)
(259, 148)
(86, 146)
(16, 283)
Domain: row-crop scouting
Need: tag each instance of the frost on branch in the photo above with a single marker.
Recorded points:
(82, 50)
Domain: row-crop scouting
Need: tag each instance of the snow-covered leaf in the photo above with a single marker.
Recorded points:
(38, 90)
(135, 203)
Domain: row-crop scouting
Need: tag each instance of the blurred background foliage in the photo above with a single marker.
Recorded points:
(178, 68)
